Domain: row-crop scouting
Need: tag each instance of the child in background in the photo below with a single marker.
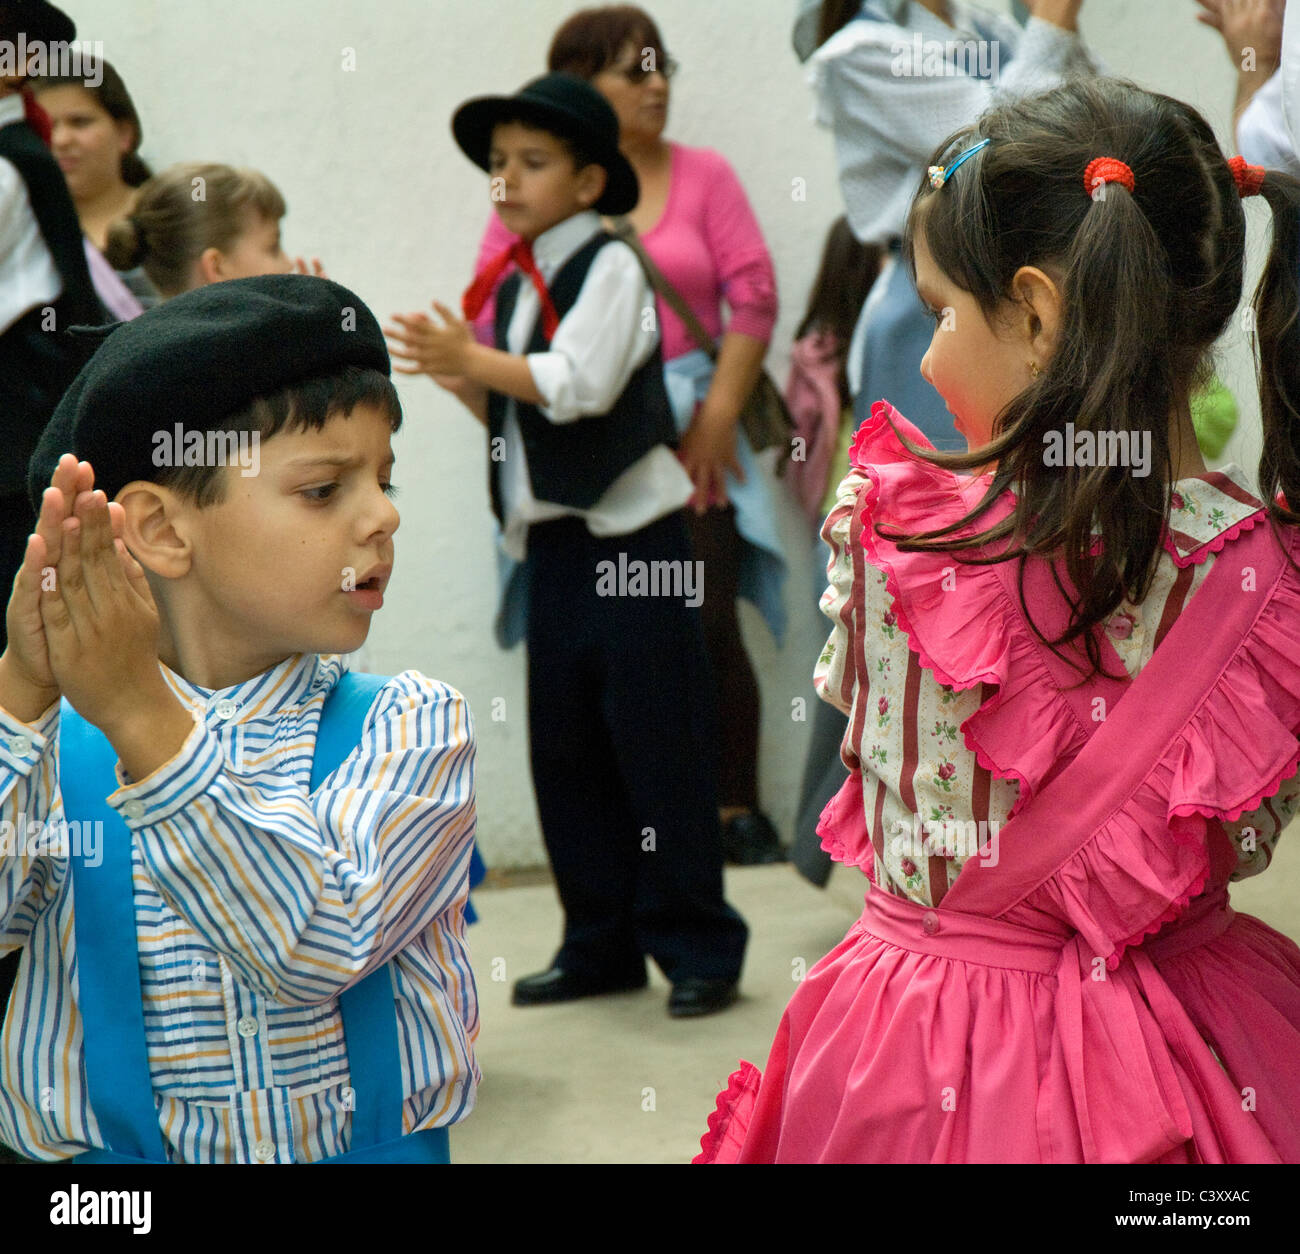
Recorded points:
(821, 403)
(267, 935)
(95, 135)
(182, 241)
(1072, 681)
(583, 478)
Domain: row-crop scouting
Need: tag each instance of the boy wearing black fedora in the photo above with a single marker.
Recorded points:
(236, 870)
(584, 482)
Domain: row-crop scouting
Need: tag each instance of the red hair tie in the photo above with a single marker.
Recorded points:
(1107, 170)
(1248, 178)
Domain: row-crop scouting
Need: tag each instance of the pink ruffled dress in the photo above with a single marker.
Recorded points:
(1078, 988)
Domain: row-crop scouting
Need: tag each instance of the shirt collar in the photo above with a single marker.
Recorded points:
(1204, 508)
(552, 248)
(11, 110)
(291, 683)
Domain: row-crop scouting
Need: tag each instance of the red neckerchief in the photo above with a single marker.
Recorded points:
(521, 253)
(36, 117)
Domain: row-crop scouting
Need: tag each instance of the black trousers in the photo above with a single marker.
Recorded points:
(623, 739)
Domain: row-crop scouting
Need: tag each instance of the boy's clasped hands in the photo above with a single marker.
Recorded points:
(82, 623)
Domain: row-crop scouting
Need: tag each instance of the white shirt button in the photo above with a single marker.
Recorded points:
(133, 809)
(225, 708)
(264, 1151)
(247, 1026)
(20, 744)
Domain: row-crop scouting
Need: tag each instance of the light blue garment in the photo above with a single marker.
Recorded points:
(762, 565)
(898, 332)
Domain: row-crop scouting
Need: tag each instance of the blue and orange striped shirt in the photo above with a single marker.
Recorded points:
(256, 906)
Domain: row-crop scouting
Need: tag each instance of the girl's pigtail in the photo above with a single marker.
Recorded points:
(1111, 373)
(1277, 319)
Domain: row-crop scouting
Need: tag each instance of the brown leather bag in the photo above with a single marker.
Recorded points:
(764, 417)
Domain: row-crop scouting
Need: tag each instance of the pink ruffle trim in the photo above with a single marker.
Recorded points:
(734, 1105)
(1197, 556)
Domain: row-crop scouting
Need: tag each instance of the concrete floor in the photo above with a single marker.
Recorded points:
(614, 1079)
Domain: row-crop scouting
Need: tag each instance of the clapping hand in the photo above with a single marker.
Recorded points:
(436, 349)
(100, 622)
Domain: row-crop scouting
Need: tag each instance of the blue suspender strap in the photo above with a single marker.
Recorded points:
(109, 998)
(108, 965)
(369, 1016)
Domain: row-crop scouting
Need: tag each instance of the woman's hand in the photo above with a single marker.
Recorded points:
(1245, 24)
(1062, 13)
(708, 453)
(300, 267)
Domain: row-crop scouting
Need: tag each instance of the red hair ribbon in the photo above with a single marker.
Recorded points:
(1248, 178)
(1108, 170)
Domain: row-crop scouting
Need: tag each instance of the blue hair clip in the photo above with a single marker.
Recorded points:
(939, 175)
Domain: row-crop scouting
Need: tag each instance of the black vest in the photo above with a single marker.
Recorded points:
(36, 364)
(572, 463)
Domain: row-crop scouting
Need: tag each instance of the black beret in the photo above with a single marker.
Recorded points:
(197, 359)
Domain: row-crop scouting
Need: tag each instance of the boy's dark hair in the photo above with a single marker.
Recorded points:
(845, 277)
(1150, 281)
(591, 40)
(300, 407)
(580, 154)
(116, 101)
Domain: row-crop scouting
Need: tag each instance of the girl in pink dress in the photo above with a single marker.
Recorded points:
(1050, 796)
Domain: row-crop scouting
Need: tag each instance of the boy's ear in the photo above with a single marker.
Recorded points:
(591, 183)
(154, 529)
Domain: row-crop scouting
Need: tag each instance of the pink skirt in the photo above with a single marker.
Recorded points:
(936, 1036)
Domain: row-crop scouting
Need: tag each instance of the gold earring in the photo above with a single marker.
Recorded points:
(1034, 369)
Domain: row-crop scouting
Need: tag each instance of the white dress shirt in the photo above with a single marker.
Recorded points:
(1267, 130)
(28, 277)
(608, 334)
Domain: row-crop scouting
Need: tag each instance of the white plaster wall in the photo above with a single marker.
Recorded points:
(377, 188)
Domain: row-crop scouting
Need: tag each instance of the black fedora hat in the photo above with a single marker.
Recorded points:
(37, 20)
(564, 105)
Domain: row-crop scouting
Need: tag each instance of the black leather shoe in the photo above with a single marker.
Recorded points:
(749, 839)
(701, 997)
(557, 985)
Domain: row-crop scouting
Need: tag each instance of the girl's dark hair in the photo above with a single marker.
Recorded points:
(115, 100)
(848, 270)
(1149, 280)
(590, 40)
(299, 407)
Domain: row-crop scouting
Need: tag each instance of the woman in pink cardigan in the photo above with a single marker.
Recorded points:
(698, 227)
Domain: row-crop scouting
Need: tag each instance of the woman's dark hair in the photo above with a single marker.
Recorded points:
(299, 407)
(848, 270)
(1150, 280)
(591, 39)
(115, 100)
